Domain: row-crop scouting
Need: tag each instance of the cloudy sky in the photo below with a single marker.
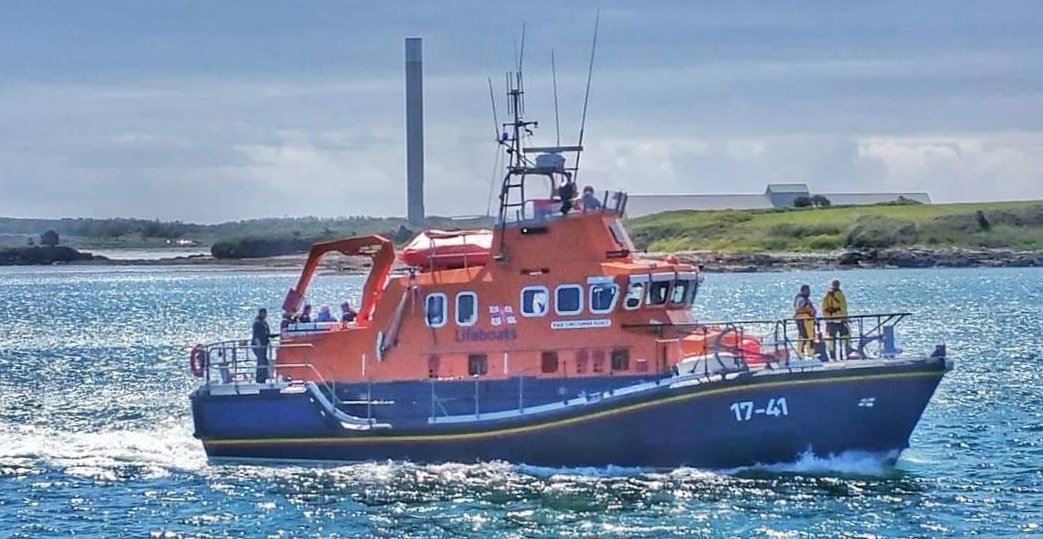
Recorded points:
(209, 111)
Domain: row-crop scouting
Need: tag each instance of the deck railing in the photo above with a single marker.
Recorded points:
(864, 336)
(235, 362)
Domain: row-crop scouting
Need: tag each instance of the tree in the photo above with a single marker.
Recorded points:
(802, 202)
(49, 238)
(820, 201)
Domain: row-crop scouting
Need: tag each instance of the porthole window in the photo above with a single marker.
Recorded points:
(568, 299)
(603, 297)
(534, 301)
(635, 294)
(466, 308)
(434, 309)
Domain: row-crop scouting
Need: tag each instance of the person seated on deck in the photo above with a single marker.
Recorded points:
(305, 316)
(347, 314)
(566, 192)
(287, 319)
(590, 202)
(325, 315)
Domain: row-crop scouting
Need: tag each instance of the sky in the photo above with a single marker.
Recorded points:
(213, 111)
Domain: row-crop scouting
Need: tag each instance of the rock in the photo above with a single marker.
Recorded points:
(850, 258)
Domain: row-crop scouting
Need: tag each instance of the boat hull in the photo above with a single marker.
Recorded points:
(720, 423)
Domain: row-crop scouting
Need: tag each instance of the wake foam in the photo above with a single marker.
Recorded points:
(109, 455)
(846, 463)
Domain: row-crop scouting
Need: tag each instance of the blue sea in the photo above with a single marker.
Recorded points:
(95, 427)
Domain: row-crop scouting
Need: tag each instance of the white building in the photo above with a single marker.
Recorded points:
(776, 195)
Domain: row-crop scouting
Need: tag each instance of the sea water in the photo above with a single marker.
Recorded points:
(95, 427)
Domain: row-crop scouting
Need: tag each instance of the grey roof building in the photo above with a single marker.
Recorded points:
(776, 195)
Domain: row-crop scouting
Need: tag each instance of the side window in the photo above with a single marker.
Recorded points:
(534, 301)
(477, 364)
(568, 299)
(549, 362)
(466, 308)
(603, 297)
(635, 295)
(658, 292)
(679, 296)
(621, 359)
(434, 310)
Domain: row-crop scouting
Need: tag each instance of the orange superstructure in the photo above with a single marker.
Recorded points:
(564, 297)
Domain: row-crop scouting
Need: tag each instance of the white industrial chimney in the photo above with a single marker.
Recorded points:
(415, 129)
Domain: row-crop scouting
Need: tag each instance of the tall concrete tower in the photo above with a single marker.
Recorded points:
(415, 129)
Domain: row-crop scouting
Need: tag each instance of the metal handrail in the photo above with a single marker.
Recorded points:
(220, 350)
(868, 328)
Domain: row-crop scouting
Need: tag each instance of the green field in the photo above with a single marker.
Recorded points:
(1009, 225)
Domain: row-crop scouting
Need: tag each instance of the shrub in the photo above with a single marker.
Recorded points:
(820, 201)
(49, 238)
(879, 232)
(802, 202)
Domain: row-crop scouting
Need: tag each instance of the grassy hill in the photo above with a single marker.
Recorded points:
(1013, 225)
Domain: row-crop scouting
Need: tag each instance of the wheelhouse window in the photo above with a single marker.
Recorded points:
(434, 310)
(679, 295)
(603, 297)
(466, 308)
(635, 294)
(534, 301)
(658, 292)
(568, 299)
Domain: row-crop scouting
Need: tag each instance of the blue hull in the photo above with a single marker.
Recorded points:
(722, 424)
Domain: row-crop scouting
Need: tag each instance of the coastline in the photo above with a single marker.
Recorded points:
(900, 258)
(710, 261)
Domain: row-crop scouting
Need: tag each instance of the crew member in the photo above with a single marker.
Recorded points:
(262, 337)
(590, 202)
(804, 312)
(347, 314)
(834, 310)
(566, 192)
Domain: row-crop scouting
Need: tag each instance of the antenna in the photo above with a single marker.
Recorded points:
(496, 121)
(521, 53)
(554, 77)
(590, 75)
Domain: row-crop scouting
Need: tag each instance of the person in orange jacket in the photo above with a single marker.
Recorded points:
(804, 312)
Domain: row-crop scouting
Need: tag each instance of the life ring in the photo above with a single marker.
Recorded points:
(198, 360)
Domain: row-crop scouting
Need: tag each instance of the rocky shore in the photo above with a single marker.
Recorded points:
(851, 259)
(711, 261)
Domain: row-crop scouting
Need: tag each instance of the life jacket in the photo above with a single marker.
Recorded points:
(834, 304)
(802, 307)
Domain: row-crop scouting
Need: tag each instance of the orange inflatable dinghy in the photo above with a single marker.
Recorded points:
(438, 249)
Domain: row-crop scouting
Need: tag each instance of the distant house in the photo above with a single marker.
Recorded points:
(776, 195)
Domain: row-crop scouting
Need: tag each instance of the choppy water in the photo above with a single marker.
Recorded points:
(95, 432)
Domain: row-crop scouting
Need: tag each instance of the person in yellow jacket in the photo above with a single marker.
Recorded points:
(834, 310)
(804, 312)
